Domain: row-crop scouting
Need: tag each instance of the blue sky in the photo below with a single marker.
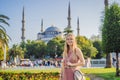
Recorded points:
(53, 12)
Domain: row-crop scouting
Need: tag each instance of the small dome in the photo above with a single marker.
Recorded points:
(52, 29)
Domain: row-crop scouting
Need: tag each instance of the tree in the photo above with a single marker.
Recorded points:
(4, 38)
(110, 32)
(103, 29)
(29, 48)
(15, 51)
(98, 45)
(35, 49)
(86, 46)
(55, 46)
(67, 30)
(3, 35)
(40, 49)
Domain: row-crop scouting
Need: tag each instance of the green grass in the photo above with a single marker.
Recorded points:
(31, 70)
(106, 73)
(97, 70)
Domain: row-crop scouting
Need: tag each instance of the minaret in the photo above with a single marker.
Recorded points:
(106, 3)
(78, 28)
(69, 17)
(23, 26)
(41, 25)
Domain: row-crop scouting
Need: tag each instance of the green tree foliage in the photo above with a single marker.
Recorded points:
(111, 30)
(15, 51)
(29, 48)
(98, 45)
(104, 37)
(67, 30)
(86, 46)
(4, 38)
(36, 49)
(55, 46)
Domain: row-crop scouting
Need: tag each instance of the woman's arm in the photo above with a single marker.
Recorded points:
(81, 61)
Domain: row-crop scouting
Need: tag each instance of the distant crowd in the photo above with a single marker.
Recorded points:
(35, 63)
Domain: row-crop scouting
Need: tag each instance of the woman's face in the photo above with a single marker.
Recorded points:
(69, 40)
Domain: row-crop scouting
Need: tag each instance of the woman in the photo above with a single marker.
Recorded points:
(72, 58)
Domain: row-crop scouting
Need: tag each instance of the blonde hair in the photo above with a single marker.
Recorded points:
(66, 46)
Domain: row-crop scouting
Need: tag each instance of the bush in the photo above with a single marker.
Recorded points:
(1, 78)
(29, 76)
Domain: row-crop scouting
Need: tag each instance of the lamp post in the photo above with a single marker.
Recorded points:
(56, 51)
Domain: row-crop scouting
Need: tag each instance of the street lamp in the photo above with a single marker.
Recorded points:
(56, 51)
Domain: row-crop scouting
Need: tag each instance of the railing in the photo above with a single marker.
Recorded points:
(98, 62)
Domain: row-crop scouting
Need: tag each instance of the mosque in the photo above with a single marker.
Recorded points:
(52, 31)
(49, 33)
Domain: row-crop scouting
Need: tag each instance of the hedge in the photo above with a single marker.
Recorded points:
(29, 76)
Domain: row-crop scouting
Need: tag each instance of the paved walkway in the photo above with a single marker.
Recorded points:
(93, 77)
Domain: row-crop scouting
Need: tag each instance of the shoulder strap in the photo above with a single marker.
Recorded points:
(75, 53)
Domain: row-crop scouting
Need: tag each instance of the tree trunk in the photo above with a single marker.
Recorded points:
(117, 65)
(108, 60)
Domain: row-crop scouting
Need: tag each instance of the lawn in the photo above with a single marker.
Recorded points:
(106, 73)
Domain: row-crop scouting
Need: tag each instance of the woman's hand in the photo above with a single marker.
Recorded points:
(69, 64)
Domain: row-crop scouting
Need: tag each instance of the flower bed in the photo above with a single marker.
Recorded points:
(29, 76)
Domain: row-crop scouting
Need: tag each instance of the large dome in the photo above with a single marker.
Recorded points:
(52, 29)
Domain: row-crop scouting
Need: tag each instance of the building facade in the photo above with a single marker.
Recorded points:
(50, 33)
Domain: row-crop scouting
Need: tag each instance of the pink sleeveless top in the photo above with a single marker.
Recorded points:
(68, 71)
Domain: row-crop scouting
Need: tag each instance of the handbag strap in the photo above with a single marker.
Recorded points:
(76, 54)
